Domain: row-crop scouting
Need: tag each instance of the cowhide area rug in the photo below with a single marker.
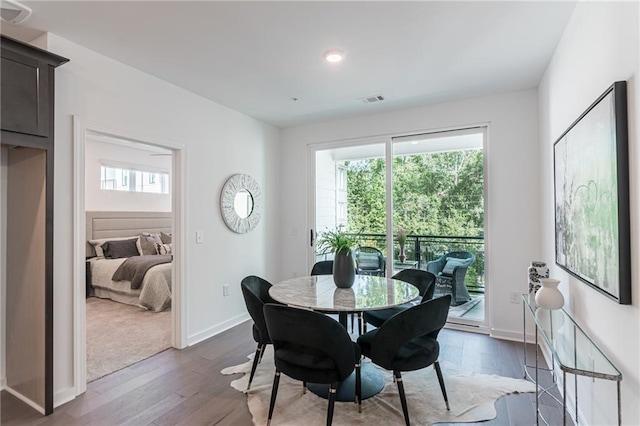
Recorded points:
(471, 396)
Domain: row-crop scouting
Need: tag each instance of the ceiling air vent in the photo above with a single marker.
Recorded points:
(13, 12)
(371, 99)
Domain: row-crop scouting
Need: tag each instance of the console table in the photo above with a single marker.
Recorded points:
(571, 350)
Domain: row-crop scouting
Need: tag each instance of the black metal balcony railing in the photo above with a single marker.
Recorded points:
(425, 248)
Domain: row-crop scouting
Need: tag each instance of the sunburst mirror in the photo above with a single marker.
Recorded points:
(241, 203)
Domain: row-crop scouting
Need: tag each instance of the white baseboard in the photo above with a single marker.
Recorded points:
(26, 400)
(467, 328)
(515, 336)
(217, 329)
(59, 398)
(63, 396)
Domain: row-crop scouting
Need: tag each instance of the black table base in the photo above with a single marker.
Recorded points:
(372, 384)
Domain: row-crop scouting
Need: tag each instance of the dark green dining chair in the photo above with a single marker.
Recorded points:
(313, 348)
(423, 280)
(255, 291)
(407, 342)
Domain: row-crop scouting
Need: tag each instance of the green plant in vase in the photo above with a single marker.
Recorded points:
(341, 244)
(336, 241)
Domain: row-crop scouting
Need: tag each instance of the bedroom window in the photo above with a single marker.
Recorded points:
(113, 178)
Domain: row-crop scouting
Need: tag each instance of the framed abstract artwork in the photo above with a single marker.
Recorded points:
(591, 182)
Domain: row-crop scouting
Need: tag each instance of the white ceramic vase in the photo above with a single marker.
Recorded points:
(548, 296)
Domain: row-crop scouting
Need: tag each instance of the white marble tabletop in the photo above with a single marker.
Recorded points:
(321, 294)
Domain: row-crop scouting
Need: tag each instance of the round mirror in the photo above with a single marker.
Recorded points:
(243, 203)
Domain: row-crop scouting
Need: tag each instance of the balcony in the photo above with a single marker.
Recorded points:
(421, 249)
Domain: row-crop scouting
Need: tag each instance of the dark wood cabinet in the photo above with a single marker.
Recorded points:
(27, 91)
(26, 122)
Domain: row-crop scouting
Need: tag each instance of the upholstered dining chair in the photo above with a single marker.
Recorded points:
(325, 267)
(311, 347)
(423, 280)
(407, 342)
(255, 291)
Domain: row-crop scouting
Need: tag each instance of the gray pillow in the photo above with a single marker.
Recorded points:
(155, 236)
(120, 249)
(166, 238)
(97, 244)
(147, 245)
(452, 262)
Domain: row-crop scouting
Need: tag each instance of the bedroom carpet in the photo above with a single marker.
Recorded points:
(119, 335)
(472, 397)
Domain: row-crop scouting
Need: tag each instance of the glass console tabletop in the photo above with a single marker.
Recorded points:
(572, 350)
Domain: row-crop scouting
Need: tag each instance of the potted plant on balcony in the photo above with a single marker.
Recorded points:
(401, 238)
(341, 244)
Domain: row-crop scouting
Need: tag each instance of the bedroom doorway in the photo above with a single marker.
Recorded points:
(128, 222)
(128, 211)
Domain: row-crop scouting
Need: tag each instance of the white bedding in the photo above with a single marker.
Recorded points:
(154, 294)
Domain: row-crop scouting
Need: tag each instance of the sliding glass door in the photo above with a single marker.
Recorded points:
(438, 214)
(418, 200)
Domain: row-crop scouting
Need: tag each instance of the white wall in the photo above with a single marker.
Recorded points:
(325, 191)
(220, 142)
(599, 46)
(513, 223)
(96, 152)
(3, 264)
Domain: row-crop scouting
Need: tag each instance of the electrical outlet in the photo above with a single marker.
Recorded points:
(199, 237)
(225, 290)
(514, 297)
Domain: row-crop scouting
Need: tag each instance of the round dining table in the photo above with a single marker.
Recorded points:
(319, 293)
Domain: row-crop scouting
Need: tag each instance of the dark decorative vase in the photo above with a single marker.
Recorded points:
(537, 269)
(401, 256)
(344, 271)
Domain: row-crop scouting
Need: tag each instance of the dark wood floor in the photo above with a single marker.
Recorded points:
(186, 387)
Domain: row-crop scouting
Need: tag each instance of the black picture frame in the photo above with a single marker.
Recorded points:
(591, 192)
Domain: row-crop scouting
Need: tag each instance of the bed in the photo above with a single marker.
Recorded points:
(110, 236)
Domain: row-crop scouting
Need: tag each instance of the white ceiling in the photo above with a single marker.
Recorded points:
(255, 57)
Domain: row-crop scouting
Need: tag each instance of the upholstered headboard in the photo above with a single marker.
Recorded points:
(124, 224)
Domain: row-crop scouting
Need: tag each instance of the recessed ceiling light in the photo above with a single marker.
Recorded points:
(334, 56)
(13, 12)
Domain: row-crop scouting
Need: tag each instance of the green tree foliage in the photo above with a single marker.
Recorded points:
(366, 196)
(433, 194)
